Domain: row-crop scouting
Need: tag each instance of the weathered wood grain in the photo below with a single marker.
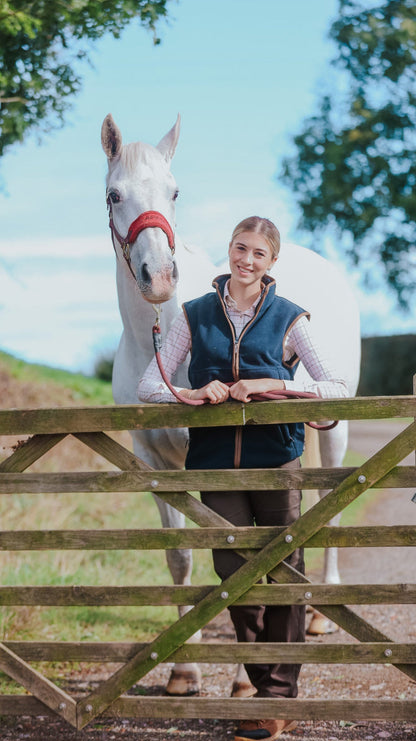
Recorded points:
(221, 653)
(39, 686)
(380, 536)
(30, 451)
(164, 481)
(231, 708)
(113, 451)
(267, 594)
(153, 416)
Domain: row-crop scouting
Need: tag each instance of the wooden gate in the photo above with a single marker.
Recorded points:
(264, 550)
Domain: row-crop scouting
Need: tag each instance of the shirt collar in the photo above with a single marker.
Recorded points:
(232, 304)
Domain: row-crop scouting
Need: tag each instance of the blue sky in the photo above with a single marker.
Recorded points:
(242, 74)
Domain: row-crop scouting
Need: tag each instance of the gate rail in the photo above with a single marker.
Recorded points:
(264, 551)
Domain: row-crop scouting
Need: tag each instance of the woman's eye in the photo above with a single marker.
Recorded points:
(175, 195)
(114, 196)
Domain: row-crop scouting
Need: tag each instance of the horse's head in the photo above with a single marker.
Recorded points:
(139, 182)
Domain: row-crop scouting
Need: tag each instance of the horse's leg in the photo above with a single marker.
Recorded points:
(242, 686)
(333, 446)
(185, 679)
(161, 449)
(166, 449)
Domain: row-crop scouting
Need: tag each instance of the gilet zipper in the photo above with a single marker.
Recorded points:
(238, 440)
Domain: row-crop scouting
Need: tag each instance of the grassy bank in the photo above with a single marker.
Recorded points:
(49, 385)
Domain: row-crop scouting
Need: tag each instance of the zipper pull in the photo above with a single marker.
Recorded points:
(235, 359)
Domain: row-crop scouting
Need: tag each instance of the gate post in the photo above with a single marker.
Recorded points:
(414, 391)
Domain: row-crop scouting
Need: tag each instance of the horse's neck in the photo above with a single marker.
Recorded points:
(138, 317)
(136, 350)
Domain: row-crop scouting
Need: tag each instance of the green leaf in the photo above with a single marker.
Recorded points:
(353, 171)
(41, 44)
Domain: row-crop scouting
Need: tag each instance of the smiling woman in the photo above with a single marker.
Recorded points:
(245, 339)
(251, 254)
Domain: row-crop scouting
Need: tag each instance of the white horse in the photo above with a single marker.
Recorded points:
(139, 182)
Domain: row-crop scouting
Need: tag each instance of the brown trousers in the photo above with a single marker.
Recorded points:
(269, 623)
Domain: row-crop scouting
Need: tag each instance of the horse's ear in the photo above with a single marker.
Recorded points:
(167, 145)
(110, 137)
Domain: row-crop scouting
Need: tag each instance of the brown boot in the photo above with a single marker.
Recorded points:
(257, 730)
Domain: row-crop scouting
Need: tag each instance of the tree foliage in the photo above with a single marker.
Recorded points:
(41, 45)
(354, 166)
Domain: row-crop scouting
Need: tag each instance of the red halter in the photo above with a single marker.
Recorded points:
(146, 220)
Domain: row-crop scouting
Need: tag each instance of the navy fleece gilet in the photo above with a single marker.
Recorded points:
(258, 353)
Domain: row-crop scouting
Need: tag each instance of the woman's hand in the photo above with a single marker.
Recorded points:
(242, 390)
(215, 391)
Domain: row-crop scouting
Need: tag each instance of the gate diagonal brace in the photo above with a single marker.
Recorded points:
(246, 576)
(30, 451)
(46, 691)
(346, 618)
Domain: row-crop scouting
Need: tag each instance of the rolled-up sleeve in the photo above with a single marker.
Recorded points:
(326, 381)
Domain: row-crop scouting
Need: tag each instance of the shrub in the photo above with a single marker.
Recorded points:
(103, 367)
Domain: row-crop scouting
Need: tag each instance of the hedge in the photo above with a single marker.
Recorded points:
(388, 365)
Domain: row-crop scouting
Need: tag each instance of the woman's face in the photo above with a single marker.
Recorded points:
(250, 257)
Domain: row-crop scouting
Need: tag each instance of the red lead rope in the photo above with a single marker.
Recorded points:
(157, 343)
(266, 395)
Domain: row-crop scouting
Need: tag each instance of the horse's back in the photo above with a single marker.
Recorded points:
(320, 288)
(196, 272)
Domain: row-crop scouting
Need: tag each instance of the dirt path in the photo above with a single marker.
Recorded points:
(381, 565)
(392, 507)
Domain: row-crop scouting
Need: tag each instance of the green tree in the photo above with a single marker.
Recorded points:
(41, 46)
(353, 171)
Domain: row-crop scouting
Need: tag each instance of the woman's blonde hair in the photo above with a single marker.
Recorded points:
(262, 226)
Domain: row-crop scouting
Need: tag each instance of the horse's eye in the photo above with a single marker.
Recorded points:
(175, 195)
(114, 196)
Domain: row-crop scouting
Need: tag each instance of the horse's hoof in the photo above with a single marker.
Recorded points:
(184, 683)
(243, 689)
(320, 625)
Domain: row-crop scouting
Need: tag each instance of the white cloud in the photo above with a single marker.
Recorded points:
(62, 313)
(12, 250)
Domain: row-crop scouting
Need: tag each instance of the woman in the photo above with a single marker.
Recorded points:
(246, 340)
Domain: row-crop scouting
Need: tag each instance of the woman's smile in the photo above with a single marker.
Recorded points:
(243, 270)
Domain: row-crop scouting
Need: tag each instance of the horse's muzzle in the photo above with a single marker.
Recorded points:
(160, 286)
